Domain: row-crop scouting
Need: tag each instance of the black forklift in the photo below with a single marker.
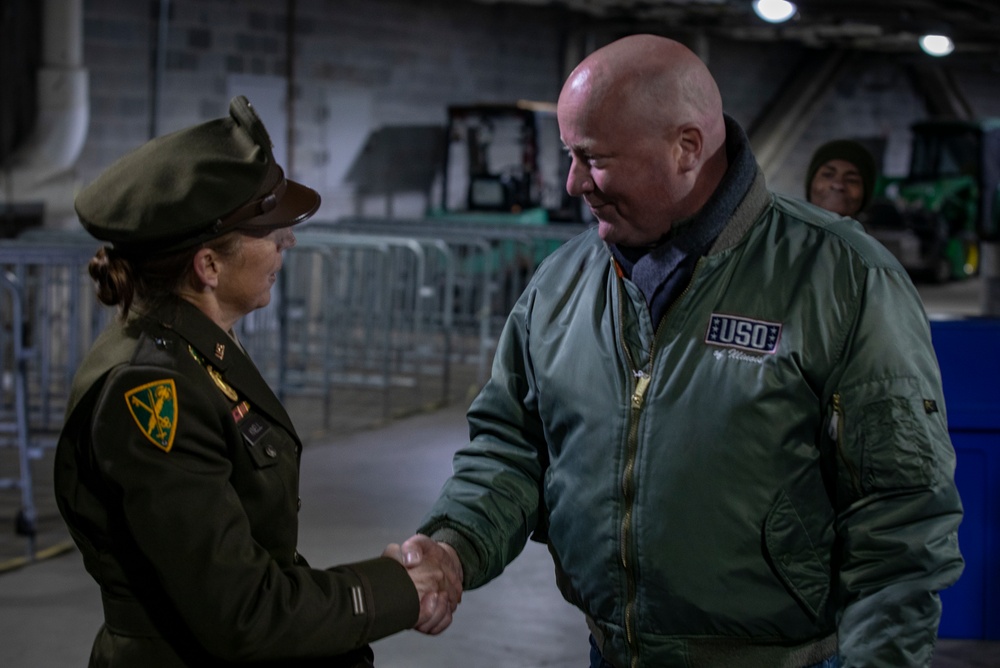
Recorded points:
(506, 161)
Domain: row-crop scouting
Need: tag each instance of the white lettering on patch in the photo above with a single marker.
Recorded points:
(730, 331)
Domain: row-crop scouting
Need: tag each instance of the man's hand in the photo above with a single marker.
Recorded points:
(436, 572)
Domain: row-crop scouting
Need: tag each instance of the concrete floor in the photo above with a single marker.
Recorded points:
(360, 491)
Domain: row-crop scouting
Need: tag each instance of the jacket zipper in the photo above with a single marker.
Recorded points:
(642, 380)
(628, 491)
(836, 433)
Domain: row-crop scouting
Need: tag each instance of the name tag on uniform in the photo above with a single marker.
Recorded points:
(253, 428)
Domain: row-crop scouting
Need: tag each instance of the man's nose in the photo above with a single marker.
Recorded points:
(578, 181)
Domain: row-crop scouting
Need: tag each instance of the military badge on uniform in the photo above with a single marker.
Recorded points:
(214, 374)
(240, 411)
(221, 384)
(154, 408)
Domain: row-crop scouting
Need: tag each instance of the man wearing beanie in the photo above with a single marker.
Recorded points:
(841, 177)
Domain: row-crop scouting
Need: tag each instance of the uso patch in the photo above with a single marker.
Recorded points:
(730, 331)
(154, 408)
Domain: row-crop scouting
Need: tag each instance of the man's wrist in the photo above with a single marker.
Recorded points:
(468, 556)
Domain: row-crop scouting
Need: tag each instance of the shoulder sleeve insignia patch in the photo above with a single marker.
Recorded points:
(154, 408)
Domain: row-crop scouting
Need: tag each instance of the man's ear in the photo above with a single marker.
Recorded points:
(690, 144)
(206, 268)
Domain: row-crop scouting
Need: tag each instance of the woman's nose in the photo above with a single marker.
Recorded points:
(286, 239)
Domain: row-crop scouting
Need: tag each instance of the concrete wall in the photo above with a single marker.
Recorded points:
(358, 65)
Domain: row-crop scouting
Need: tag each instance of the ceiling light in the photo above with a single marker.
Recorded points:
(937, 45)
(774, 11)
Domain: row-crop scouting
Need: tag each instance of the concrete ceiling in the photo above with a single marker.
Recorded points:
(867, 25)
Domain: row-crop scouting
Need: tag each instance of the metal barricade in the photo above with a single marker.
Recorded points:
(464, 284)
(496, 258)
(384, 314)
(355, 310)
(51, 317)
(14, 416)
(61, 320)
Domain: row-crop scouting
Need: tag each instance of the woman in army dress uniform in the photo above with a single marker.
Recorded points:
(177, 469)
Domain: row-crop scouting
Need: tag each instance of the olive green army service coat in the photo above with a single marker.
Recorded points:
(177, 472)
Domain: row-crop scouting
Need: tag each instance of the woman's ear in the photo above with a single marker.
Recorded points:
(207, 268)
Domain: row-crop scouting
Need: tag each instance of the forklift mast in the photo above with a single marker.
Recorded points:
(956, 150)
(506, 158)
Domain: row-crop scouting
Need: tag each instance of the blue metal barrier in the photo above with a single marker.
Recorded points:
(967, 351)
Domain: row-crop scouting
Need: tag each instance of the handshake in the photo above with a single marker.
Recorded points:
(436, 572)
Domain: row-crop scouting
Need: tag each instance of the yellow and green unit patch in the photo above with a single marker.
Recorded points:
(154, 408)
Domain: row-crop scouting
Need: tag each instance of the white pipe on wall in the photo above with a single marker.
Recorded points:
(63, 105)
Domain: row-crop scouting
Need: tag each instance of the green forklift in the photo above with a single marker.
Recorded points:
(933, 219)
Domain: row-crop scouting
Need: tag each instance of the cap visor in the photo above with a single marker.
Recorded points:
(298, 203)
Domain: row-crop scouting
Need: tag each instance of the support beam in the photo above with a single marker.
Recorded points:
(777, 130)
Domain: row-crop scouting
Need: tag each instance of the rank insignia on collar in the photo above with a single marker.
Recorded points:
(220, 350)
(154, 408)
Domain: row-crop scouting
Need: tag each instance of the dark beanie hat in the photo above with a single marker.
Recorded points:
(852, 152)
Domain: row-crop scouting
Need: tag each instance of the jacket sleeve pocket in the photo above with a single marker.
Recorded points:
(887, 434)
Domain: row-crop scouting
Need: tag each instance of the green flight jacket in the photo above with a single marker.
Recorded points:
(177, 473)
(763, 479)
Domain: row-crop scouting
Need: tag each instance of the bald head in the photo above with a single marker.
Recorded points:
(655, 80)
(653, 91)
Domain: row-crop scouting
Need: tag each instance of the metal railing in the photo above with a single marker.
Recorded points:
(388, 310)
(50, 318)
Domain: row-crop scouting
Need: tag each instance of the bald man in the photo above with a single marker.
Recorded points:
(720, 409)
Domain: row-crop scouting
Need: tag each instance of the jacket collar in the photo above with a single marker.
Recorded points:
(743, 192)
(754, 203)
(220, 350)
